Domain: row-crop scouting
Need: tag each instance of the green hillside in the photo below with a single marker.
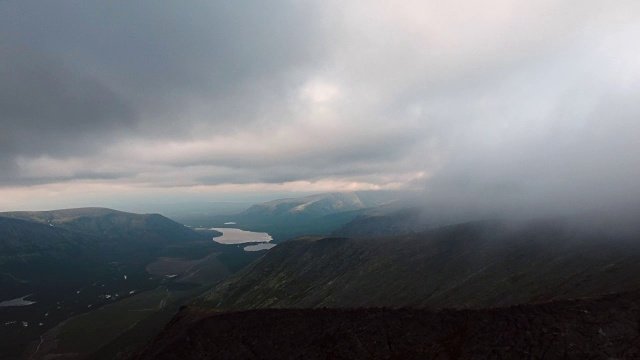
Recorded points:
(478, 264)
(69, 262)
(111, 224)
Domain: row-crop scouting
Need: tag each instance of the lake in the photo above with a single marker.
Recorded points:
(237, 236)
(17, 302)
(258, 247)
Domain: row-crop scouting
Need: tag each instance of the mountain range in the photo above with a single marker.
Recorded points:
(111, 224)
(63, 263)
(319, 214)
(352, 275)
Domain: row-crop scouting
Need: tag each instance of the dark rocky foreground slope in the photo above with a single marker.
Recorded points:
(607, 327)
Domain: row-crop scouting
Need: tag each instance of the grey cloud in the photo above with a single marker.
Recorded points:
(345, 149)
(49, 109)
(584, 159)
(79, 176)
(75, 78)
(162, 55)
(498, 106)
(163, 45)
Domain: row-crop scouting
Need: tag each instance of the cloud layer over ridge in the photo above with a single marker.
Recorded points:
(478, 101)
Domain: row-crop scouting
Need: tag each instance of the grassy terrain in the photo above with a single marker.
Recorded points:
(128, 323)
(75, 261)
(88, 332)
(480, 264)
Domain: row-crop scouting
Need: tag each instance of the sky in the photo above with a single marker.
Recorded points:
(493, 102)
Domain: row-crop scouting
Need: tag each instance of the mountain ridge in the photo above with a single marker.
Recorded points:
(109, 223)
(476, 264)
(318, 214)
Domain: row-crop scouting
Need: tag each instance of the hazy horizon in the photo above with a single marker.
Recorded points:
(496, 104)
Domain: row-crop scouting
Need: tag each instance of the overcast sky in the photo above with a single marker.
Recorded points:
(494, 101)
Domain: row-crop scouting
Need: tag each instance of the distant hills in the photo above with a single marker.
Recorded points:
(110, 224)
(20, 239)
(401, 218)
(309, 206)
(347, 214)
(377, 222)
(477, 264)
(72, 261)
(353, 275)
(319, 214)
(86, 235)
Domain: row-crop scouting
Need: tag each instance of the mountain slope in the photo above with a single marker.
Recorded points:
(67, 262)
(376, 223)
(22, 237)
(111, 224)
(395, 219)
(478, 264)
(314, 205)
(600, 328)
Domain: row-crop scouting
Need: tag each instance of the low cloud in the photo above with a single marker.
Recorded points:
(491, 103)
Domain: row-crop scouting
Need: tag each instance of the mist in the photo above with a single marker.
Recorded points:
(497, 107)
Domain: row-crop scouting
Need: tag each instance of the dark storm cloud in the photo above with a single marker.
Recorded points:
(49, 109)
(162, 45)
(75, 77)
(77, 176)
(497, 103)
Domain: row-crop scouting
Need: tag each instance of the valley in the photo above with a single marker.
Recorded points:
(79, 265)
(447, 180)
(101, 284)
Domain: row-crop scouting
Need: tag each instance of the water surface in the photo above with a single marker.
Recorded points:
(237, 236)
(17, 302)
(258, 247)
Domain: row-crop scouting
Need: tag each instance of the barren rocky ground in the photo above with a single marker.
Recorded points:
(606, 327)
